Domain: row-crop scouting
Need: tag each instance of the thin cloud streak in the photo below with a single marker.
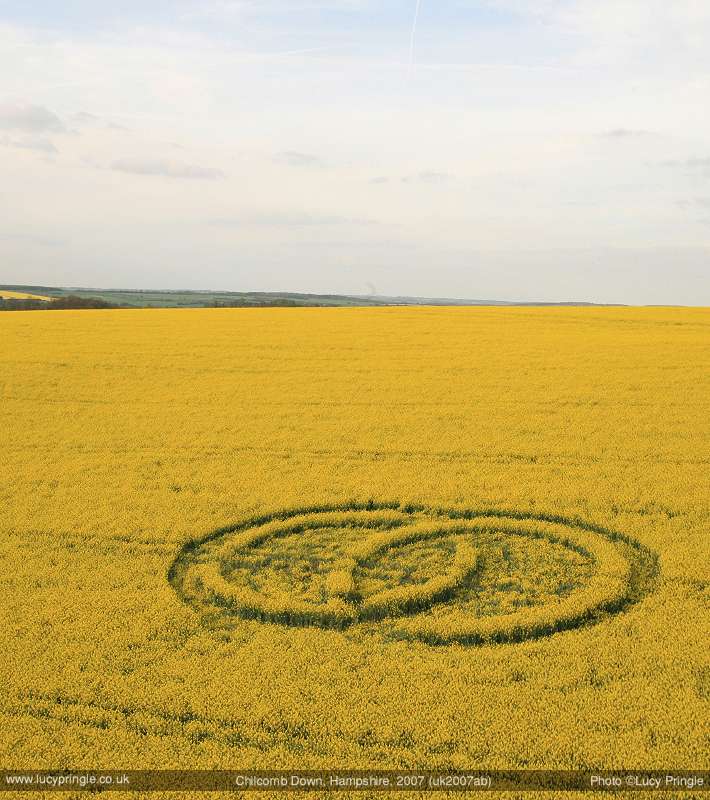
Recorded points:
(164, 168)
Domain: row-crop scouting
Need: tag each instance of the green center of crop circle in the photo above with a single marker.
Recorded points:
(433, 574)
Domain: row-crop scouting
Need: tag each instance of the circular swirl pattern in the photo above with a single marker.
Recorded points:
(438, 575)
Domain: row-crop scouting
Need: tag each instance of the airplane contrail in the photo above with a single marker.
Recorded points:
(414, 35)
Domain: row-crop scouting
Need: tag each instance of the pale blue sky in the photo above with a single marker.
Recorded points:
(530, 149)
(286, 18)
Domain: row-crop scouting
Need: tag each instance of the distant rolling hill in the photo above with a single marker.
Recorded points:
(9, 294)
(139, 298)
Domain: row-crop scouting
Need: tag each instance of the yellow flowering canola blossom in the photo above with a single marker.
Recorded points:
(6, 294)
(397, 538)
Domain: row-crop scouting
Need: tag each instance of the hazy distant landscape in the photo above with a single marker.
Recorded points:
(164, 298)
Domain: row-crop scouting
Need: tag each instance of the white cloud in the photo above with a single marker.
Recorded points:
(292, 158)
(290, 219)
(431, 177)
(624, 133)
(239, 9)
(693, 165)
(695, 202)
(32, 143)
(165, 168)
(624, 30)
(29, 118)
(85, 118)
(32, 239)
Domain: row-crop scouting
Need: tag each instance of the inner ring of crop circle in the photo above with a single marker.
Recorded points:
(627, 573)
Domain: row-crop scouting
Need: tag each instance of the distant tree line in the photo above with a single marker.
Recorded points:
(276, 303)
(55, 304)
(73, 302)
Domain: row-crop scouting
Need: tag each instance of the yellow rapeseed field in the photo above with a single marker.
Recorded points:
(6, 294)
(395, 538)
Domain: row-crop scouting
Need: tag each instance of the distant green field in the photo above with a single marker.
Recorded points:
(137, 298)
(199, 299)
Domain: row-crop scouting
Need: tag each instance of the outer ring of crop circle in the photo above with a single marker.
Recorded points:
(643, 572)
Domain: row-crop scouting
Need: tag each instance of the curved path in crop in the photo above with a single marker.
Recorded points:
(623, 572)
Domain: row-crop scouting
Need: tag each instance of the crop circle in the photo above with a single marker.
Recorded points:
(439, 575)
